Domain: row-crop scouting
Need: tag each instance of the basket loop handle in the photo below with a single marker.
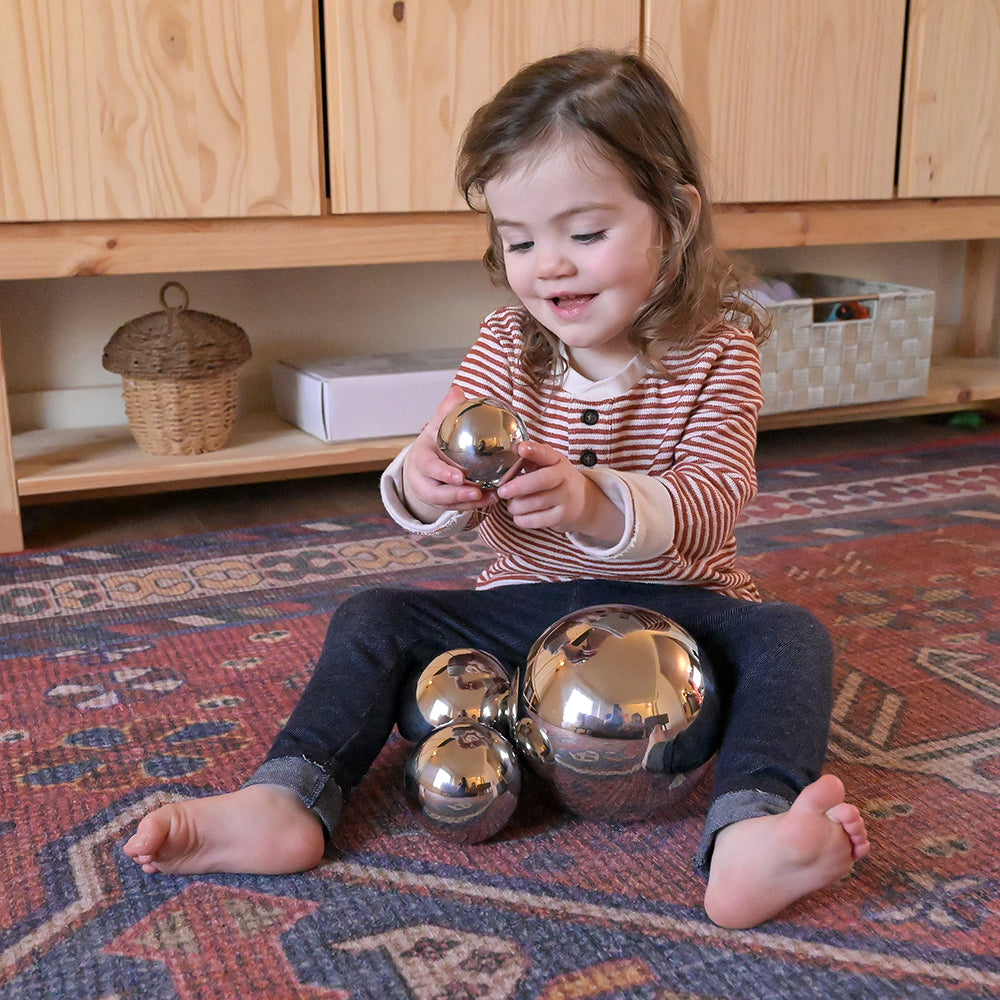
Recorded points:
(183, 291)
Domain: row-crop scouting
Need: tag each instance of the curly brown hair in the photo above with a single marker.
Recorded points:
(624, 108)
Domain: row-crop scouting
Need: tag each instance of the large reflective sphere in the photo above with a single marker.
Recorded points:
(463, 781)
(481, 436)
(456, 684)
(601, 688)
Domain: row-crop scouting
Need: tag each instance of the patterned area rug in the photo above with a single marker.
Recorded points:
(133, 675)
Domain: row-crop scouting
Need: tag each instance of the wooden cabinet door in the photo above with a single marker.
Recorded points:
(950, 136)
(158, 108)
(403, 79)
(794, 100)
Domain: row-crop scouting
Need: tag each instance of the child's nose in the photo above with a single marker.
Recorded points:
(553, 263)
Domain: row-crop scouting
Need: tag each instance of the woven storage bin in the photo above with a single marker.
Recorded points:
(179, 377)
(810, 362)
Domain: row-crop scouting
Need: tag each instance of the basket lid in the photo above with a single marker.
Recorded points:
(176, 343)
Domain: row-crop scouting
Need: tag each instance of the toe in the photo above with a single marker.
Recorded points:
(823, 795)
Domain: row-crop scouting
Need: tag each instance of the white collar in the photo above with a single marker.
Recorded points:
(581, 387)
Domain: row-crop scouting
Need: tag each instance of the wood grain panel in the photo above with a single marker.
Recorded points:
(795, 100)
(158, 109)
(404, 78)
(950, 136)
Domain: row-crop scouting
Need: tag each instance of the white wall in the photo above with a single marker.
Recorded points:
(54, 331)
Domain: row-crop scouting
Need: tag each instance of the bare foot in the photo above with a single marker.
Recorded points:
(761, 865)
(258, 830)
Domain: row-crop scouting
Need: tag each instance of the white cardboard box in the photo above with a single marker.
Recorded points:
(345, 399)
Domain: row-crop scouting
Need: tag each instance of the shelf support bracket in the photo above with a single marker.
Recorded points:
(980, 299)
(11, 539)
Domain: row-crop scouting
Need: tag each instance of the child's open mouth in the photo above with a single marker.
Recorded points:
(571, 302)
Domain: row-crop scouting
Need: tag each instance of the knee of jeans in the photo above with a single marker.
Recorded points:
(798, 625)
(375, 604)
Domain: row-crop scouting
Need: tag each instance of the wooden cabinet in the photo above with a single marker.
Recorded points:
(403, 79)
(147, 109)
(950, 131)
(794, 100)
(144, 114)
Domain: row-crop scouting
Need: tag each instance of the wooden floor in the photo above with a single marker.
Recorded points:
(163, 515)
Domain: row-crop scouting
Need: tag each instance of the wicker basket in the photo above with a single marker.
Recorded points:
(179, 377)
(811, 361)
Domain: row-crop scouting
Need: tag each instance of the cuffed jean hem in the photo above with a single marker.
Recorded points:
(733, 807)
(317, 791)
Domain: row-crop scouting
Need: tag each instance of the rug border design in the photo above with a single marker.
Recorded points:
(659, 924)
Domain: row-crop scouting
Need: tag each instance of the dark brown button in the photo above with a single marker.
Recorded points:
(588, 458)
(590, 417)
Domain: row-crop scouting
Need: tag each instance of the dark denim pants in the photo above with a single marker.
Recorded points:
(772, 665)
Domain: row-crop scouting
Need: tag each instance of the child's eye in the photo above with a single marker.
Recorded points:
(520, 247)
(591, 237)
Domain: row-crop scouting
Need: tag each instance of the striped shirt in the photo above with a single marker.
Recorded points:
(674, 453)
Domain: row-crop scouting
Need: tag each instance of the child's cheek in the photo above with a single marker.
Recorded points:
(519, 277)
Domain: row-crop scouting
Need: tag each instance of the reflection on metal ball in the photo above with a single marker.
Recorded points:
(601, 688)
(456, 684)
(463, 781)
(481, 436)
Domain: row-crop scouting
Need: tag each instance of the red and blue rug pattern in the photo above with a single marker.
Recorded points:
(131, 675)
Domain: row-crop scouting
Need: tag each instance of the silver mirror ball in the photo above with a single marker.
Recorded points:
(481, 436)
(600, 688)
(463, 782)
(456, 684)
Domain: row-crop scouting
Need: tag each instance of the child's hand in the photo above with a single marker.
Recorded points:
(551, 492)
(431, 484)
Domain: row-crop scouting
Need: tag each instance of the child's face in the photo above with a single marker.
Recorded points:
(580, 249)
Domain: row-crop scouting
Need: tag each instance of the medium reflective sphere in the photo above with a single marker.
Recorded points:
(456, 684)
(601, 688)
(463, 781)
(481, 436)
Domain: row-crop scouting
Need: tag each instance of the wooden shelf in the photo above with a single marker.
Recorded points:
(954, 384)
(63, 464)
(66, 249)
(49, 465)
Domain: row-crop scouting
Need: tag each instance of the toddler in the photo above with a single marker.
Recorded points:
(632, 358)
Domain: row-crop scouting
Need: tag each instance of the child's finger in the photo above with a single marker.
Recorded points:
(539, 454)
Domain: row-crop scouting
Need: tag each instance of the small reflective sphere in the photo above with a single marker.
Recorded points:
(601, 688)
(463, 781)
(481, 436)
(456, 684)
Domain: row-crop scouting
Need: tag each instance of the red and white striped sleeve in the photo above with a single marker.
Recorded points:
(713, 474)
